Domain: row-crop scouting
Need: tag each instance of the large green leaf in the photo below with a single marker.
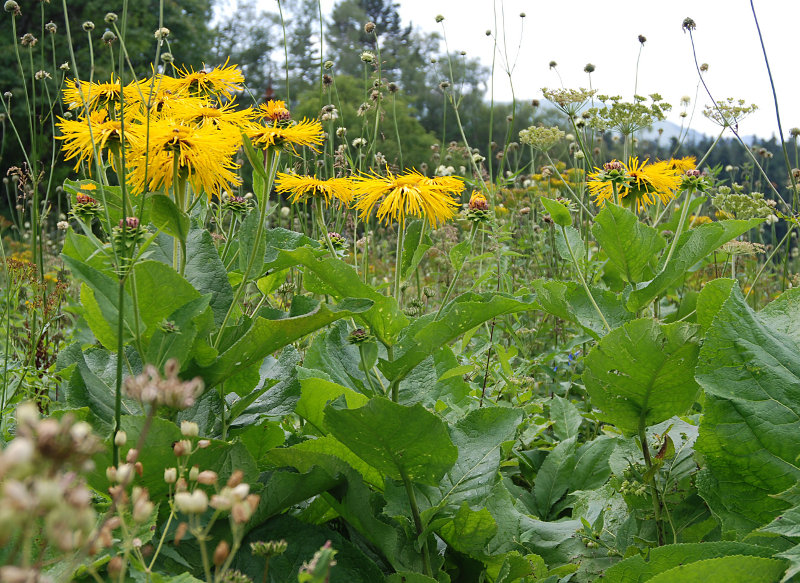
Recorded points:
(205, 271)
(166, 216)
(399, 441)
(315, 396)
(725, 570)
(630, 244)
(566, 418)
(554, 477)
(340, 280)
(643, 373)
(415, 245)
(103, 303)
(750, 372)
(478, 437)
(159, 291)
(638, 569)
(428, 334)
(469, 531)
(249, 254)
(352, 565)
(569, 301)
(266, 336)
(692, 246)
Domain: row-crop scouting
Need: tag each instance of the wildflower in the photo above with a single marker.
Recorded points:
(569, 101)
(11, 6)
(88, 26)
(359, 142)
(207, 113)
(478, 208)
(274, 110)
(305, 133)
(358, 336)
(161, 33)
(301, 188)
(224, 81)
(367, 57)
(635, 182)
(399, 195)
(204, 156)
(82, 136)
(729, 112)
(540, 138)
(269, 548)
(170, 391)
(191, 502)
(94, 96)
(696, 221)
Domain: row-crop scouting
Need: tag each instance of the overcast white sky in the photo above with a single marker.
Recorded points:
(576, 32)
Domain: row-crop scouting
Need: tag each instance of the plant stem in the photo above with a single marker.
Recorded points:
(651, 481)
(452, 285)
(583, 280)
(398, 266)
(412, 500)
(681, 222)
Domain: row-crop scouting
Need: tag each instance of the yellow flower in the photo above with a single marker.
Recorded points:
(696, 221)
(204, 156)
(306, 133)
(206, 113)
(96, 95)
(648, 180)
(639, 183)
(303, 187)
(681, 165)
(223, 80)
(79, 135)
(411, 194)
(274, 110)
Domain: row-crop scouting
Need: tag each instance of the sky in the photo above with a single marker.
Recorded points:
(576, 32)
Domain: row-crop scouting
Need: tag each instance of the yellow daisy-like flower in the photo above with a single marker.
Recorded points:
(303, 187)
(204, 156)
(82, 136)
(224, 80)
(651, 181)
(639, 183)
(397, 196)
(205, 113)
(696, 221)
(78, 94)
(305, 133)
(274, 110)
(681, 165)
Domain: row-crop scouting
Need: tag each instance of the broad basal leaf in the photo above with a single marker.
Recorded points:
(399, 441)
(643, 373)
(750, 372)
(630, 245)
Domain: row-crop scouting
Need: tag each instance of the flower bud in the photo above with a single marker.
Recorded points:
(170, 475)
(120, 438)
(189, 429)
(221, 553)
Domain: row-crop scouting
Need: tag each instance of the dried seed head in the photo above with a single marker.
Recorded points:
(111, 18)
(88, 26)
(369, 27)
(11, 6)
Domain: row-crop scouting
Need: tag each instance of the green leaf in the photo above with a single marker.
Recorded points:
(631, 245)
(103, 303)
(408, 577)
(352, 565)
(638, 569)
(247, 246)
(160, 291)
(750, 372)
(427, 335)
(399, 441)
(205, 271)
(166, 216)
(554, 477)
(415, 245)
(385, 319)
(260, 439)
(558, 212)
(175, 338)
(569, 301)
(266, 336)
(459, 253)
(710, 300)
(693, 246)
(566, 418)
(317, 394)
(576, 245)
(332, 354)
(725, 570)
(793, 556)
(478, 437)
(643, 373)
(469, 531)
